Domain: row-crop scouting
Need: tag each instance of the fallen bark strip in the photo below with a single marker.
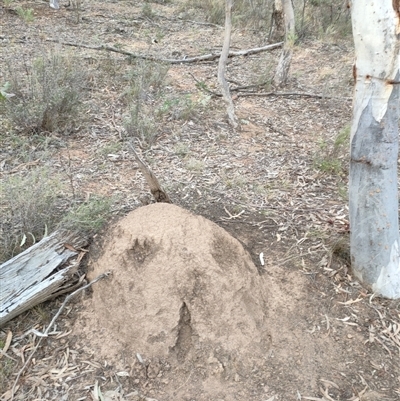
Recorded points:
(39, 273)
(205, 57)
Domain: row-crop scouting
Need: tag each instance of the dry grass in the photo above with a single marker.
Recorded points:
(30, 208)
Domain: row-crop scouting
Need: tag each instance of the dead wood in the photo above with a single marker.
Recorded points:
(240, 92)
(38, 274)
(155, 188)
(46, 332)
(187, 60)
(226, 95)
(289, 94)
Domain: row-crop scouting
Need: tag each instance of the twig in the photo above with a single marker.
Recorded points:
(155, 188)
(206, 57)
(287, 94)
(266, 94)
(66, 300)
(203, 87)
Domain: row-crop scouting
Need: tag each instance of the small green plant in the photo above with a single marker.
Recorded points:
(145, 79)
(48, 95)
(331, 159)
(41, 313)
(25, 13)
(6, 370)
(181, 149)
(147, 11)
(4, 95)
(185, 107)
(195, 165)
(343, 191)
(146, 82)
(88, 217)
(110, 148)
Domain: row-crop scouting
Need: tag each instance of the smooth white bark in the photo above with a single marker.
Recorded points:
(373, 193)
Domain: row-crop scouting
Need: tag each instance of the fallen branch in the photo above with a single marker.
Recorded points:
(46, 332)
(155, 188)
(238, 92)
(206, 57)
(288, 94)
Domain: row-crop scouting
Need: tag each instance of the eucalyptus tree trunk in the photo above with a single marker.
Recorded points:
(374, 238)
(277, 29)
(282, 71)
(226, 94)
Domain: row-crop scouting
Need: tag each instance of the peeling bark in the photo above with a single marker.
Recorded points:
(373, 192)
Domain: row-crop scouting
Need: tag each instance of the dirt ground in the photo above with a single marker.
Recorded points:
(326, 337)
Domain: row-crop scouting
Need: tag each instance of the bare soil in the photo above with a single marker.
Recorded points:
(325, 336)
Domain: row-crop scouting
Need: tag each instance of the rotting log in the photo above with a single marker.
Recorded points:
(40, 273)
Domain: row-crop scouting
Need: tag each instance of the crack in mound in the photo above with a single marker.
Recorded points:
(184, 340)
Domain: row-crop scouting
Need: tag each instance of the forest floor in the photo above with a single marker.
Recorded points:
(278, 185)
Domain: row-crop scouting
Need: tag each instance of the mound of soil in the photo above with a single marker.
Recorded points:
(188, 316)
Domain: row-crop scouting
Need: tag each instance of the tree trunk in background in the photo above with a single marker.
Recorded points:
(282, 70)
(374, 238)
(226, 94)
(277, 30)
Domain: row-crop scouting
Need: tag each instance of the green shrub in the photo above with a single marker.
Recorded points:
(334, 158)
(324, 19)
(36, 204)
(88, 217)
(145, 85)
(48, 95)
(25, 13)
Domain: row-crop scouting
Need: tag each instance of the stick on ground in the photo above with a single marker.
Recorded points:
(155, 188)
(66, 300)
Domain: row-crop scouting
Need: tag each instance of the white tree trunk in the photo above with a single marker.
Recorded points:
(226, 94)
(374, 238)
(282, 71)
(277, 30)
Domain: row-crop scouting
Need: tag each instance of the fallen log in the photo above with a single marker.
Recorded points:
(186, 60)
(40, 273)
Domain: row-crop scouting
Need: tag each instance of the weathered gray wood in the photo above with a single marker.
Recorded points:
(37, 274)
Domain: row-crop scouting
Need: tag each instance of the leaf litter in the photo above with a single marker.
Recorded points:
(260, 184)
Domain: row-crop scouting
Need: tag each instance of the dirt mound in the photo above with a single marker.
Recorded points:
(182, 290)
(187, 315)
